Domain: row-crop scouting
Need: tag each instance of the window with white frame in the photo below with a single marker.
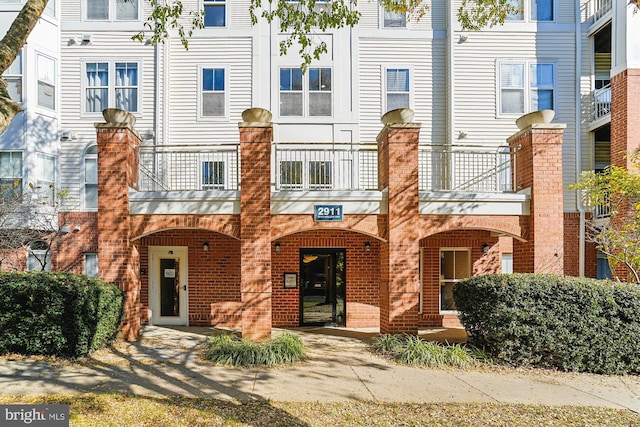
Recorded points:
(291, 174)
(46, 68)
(213, 175)
(393, 19)
(46, 176)
(213, 96)
(11, 174)
(112, 10)
(526, 87)
(507, 263)
(38, 256)
(535, 10)
(103, 91)
(91, 264)
(397, 88)
(91, 178)
(455, 265)
(13, 78)
(320, 91)
(215, 13)
(320, 174)
(311, 97)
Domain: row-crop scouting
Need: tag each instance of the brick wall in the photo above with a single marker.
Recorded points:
(362, 276)
(572, 248)
(69, 249)
(539, 169)
(255, 229)
(213, 280)
(117, 257)
(400, 281)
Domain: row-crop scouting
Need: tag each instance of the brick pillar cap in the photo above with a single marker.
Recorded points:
(256, 117)
(540, 116)
(399, 115)
(537, 127)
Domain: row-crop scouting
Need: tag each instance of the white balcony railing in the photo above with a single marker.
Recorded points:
(314, 167)
(325, 167)
(600, 8)
(193, 167)
(601, 102)
(467, 169)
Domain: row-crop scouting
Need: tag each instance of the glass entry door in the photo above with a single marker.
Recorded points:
(169, 287)
(322, 287)
(168, 276)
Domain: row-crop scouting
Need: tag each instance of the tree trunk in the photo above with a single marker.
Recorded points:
(10, 46)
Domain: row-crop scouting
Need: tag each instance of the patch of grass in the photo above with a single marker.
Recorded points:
(413, 351)
(119, 410)
(227, 349)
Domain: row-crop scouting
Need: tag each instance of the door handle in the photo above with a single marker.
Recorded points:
(184, 287)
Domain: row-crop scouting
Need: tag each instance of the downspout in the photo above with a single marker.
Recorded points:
(582, 225)
(450, 74)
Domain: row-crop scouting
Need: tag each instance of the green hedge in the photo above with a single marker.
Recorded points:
(59, 314)
(568, 323)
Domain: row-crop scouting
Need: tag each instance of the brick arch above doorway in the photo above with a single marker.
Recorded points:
(144, 225)
(509, 225)
(285, 225)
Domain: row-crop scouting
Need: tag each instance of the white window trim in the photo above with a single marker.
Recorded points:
(526, 13)
(111, 103)
(527, 85)
(381, 21)
(468, 250)
(84, 265)
(22, 55)
(36, 253)
(56, 85)
(83, 177)
(305, 93)
(55, 175)
(384, 69)
(226, 15)
(227, 75)
(112, 13)
(22, 180)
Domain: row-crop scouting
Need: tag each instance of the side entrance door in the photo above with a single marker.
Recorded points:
(168, 285)
(322, 287)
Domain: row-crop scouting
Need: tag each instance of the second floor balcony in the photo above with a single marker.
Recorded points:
(202, 178)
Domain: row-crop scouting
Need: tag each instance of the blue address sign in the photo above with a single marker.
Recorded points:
(327, 213)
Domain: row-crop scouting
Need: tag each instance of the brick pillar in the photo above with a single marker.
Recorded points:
(256, 133)
(117, 171)
(539, 169)
(400, 256)
(625, 131)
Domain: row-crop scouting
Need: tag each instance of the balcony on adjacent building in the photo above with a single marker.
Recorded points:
(600, 8)
(601, 103)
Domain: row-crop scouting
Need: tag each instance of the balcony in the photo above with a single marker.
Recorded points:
(600, 8)
(206, 178)
(466, 169)
(601, 103)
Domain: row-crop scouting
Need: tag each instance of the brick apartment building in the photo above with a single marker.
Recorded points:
(310, 209)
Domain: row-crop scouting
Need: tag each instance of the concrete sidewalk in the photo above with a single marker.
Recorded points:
(339, 367)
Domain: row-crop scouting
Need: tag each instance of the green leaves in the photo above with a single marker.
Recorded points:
(475, 15)
(165, 17)
(567, 323)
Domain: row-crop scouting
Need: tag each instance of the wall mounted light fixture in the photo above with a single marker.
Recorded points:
(278, 247)
(205, 246)
(485, 248)
(367, 246)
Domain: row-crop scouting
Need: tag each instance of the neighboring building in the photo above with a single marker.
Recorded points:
(218, 227)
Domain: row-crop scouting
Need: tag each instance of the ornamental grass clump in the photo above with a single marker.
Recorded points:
(231, 350)
(413, 351)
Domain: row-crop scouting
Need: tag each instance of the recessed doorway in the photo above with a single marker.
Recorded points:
(322, 287)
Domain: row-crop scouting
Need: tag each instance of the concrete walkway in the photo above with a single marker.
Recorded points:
(339, 367)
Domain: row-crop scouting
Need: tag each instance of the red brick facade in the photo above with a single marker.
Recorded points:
(392, 261)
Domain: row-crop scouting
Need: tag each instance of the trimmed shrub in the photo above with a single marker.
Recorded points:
(413, 351)
(567, 323)
(59, 314)
(227, 349)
